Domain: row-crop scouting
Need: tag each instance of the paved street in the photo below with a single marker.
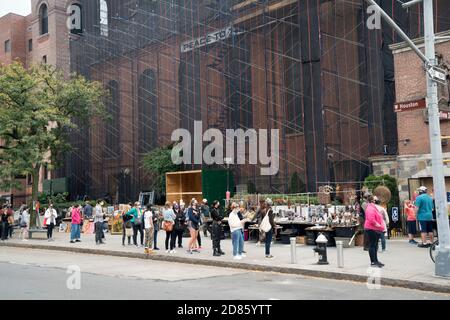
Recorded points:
(40, 274)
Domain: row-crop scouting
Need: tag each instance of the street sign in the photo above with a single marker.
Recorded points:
(437, 74)
(410, 105)
(394, 214)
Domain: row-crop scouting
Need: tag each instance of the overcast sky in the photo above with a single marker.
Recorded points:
(22, 7)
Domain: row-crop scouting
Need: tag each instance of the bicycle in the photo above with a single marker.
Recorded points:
(433, 250)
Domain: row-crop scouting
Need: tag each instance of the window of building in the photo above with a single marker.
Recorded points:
(76, 21)
(7, 46)
(113, 125)
(104, 18)
(44, 59)
(30, 45)
(148, 115)
(43, 18)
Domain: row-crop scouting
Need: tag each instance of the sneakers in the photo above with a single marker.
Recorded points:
(243, 255)
(413, 241)
(189, 251)
(172, 251)
(238, 257)
(422, 245)
(180, 246)
(258, 243)
(71, 241)
(25, 240)
(78, 240)
(167, 251)
(375, 265)
(155, 248)
(269, 256)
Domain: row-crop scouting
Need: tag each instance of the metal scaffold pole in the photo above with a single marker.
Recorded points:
(442, 267)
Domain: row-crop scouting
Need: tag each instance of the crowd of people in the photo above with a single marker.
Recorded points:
(142, 224)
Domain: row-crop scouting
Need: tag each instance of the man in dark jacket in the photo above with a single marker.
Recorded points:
(216, 233)
(179, 226)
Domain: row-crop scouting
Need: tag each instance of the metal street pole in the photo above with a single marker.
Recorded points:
(437, 161)
(442, 267)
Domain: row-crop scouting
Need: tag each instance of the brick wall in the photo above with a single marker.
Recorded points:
(411, 85)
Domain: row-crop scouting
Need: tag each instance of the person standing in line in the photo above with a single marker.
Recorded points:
(10, 214)
(363, 218)
(373, 226)
(156, 215)
(87, 210)
(75, 232)
(385, 217)
(179, 226)
(205, 213)
(411, 223)
(148, 225)
(216, 229)
(50, 215)
(126, 225)
(4, 223)
(24, 223)
(259, 216)
(236, 226)
(424, 213)
(269, 235)
(168, 223)
(242, 215)
(98, 222)
(137, 223)
(193, 226)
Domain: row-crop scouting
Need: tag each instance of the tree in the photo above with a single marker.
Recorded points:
(39, 107)
(157, 163)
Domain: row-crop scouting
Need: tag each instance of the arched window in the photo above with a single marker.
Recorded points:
(43, 19)
(76, 18)
(112, 145)
(103, 18)
(148, 114)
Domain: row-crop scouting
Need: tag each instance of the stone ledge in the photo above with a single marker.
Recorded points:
(392, 282)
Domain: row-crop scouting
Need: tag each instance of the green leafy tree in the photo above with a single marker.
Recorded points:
(39, 107)
(390, 182)
(157, 163)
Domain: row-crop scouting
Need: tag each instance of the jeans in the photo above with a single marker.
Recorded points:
(169, 236)
(216, 234)
(237, 240)
(149, 238)
(373, 237)
(136, 228)
(124, 233)
(5, 230)
(155, 235)
(383, 241)
(268, 241)
(50, 230)
(177, 234)
(199, 239)
(75, 232)
(98, 232)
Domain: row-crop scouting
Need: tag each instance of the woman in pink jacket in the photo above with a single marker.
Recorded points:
(373, 226)
(75, 232)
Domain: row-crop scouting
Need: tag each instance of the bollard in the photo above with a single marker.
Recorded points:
(340, 253)
(293, 250)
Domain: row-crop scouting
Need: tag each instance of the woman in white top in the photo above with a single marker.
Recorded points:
(237, 236)
(25, 223)
(169, 220)
(148, 226)
(50, 216)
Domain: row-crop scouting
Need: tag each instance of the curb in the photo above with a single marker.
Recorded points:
(392, 282)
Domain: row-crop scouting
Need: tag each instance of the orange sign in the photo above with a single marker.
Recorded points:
(410, 105)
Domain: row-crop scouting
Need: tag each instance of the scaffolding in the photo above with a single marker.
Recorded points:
(309, 68)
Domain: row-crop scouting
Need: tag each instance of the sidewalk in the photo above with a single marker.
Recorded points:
(406, 265)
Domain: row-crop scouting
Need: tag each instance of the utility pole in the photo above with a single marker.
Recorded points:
(442, 267)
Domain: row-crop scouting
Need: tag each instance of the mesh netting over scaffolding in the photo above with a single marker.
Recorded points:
(309, 68)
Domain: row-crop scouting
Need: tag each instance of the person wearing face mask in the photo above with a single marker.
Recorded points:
(50, 216)
(237, 237)
(216, 229)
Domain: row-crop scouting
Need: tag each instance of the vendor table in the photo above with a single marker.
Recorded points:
(254, 229)
(300, 226)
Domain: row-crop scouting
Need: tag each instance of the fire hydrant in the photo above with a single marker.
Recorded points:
(321, 249)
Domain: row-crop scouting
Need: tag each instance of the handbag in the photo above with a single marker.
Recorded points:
(167, 226)
(265, 224)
